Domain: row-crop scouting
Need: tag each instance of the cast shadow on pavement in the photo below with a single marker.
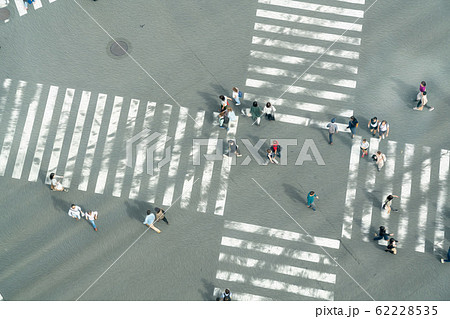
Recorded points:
(374, 198)
(61, 204)
(409, 92)
(294, 194)
(138, 209)
(207, 291)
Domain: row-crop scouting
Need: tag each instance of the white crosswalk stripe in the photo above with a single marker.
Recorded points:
(21, 7)
(84, 139)
(416, 218)
(301, 272)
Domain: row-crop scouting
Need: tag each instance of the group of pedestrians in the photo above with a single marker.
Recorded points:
(77, 213)
(152, 218)
(383, 233)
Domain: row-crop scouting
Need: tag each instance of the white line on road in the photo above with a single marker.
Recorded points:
(208, 172)
(439, 235)
(37, 4)
(278, 268)
(282, 234)
(405, 193)
(225, 172)
(109, 143)
(308, 20)
(26, 135)
(20, 5)
(277, 251)
(60, 132)
(141, 155)
(76, 139)
(241, 296)
(329, 95)
(160, 151)
(92, 142)
(275, 285)
(122, 164)
(315, 7)
(11, 130)
(350, 194)
(321, 36)
(175, 157)
(43, 134)
(189, 179)
(425, 177)
(288, 59)
(345, 54)
(389, 170)
(4, 98)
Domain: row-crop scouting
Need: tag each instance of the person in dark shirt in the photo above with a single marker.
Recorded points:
(382, 233)
(352, 125)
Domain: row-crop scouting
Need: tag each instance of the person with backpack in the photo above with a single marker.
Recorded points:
(224, 120)
(226, 295)
(382, 233)
(55, 185)
(161, 215)
(332, 129)
(150, 220)
(237, 95)
(352, 125)
(388, 202)
(232, 149)
(380, 160)
(92, 217)
(373, 125)
(269, 110)
(255, 113)
(310, 200)
(75, 212)
(392, 246)
(276, 148)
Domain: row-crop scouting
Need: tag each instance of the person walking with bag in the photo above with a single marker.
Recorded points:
(388, 202)
(276, 148)
(255, 113)
(92, 217)
(352, 125)
(237, 95)
(380, 160)
(150, 220)
(383, 130)
(332, 129)
(232, 149)
(161, 215)
(269, 111)
(310, 200)
(373, 125)
(422, 88)
(423, 102)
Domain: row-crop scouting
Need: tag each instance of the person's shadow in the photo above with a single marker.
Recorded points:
(409, 92)
(138, 209)
(61, 204)
(207, 291)
(294, 194)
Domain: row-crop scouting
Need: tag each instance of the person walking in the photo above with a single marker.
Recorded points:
(150, 220)
(55, 185)
(92, 217)
(226, 295)
(237, 95)
(27, 2)
(271, 156)
(383, 130)
(332, 129)
(448, 257)
(223, 102)
(380, 160)
(373, 125)
(364, 148)
(382, 233)
(388, 202)
(269, 111)
(161, 215)
(423, 102)
(255, 113)
(231, 116)
(224, 120)
(276, 148)
(352, 125)
(310, 200)
(232, 149)
(422, 88)
(75, 212)
(392, 246)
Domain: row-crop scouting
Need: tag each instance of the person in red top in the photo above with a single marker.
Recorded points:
(276, 148)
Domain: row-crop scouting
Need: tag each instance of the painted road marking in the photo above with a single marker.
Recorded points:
(282, 234)
(439, 235)
(109, 142)
(240, 296)
(6, 86)
(425, 177)
(76, 139)
(43, 134)
(92, 142)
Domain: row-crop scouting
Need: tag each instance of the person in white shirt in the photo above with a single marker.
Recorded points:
(223, 102)
(236, 96)
(56, 185)
(75, 212)
(383, 130)
(269, 110)
(91, 216)
(381, 159)
(364, 147)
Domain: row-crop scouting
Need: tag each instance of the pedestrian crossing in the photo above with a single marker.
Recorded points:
(304, 58)
(295, 274)
(37, 4)
(410, 172)
(83, 136)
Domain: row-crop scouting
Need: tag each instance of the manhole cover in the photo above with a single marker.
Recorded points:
(119, 48)
(4, 14)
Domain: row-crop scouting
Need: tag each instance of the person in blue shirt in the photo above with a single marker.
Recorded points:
(310, 200)
(150, 220)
